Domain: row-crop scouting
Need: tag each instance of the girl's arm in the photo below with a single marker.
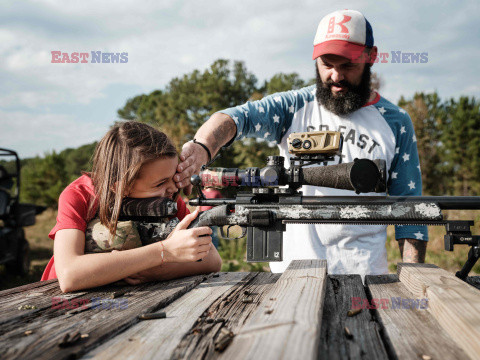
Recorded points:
(77, 270)
(168, 271)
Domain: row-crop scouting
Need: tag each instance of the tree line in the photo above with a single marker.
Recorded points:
(447, 131)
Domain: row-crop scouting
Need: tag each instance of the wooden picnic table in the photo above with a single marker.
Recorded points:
(300, 314)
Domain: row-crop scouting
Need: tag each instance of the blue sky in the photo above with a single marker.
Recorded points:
(46, 106)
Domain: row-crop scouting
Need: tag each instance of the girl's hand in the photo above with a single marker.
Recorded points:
(187, 245)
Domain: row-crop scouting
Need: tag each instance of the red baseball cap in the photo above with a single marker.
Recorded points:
(345, 33)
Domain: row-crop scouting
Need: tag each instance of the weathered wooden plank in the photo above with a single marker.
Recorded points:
(286, 325)
(26, 287)
(18, 307)
(157, 339)
(48, 330)
(454, 303)
(414, 333)
(227, 313)
(365, 341)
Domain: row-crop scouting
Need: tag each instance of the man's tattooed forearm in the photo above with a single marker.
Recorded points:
(221, 134)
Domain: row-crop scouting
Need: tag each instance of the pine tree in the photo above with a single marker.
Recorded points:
(427, 114)
(461, 141)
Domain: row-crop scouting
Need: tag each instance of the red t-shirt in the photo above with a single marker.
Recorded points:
(210, 193)
(77, 205)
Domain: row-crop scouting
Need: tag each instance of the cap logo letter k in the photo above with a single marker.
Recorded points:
(332, 23)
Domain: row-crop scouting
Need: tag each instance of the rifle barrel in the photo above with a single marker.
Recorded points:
(444, 202)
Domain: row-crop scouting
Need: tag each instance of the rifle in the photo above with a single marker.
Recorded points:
(264, 211)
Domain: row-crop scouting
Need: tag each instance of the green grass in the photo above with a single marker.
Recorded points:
(234, 259)
(233, 251)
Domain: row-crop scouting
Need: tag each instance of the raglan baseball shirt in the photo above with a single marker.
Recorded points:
(378, 130)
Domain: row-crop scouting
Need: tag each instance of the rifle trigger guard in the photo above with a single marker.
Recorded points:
(227, 235)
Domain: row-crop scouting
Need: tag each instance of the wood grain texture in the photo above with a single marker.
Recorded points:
(366, 340)
(40, 297)
(454, 303)
(157, 339)
(286, 325)
(230, 312)
(49, 326)
(26, 287)
(413, 332)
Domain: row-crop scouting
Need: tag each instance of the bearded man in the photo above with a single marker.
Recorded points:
(372, 127)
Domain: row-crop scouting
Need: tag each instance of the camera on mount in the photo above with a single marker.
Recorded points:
(324, 143)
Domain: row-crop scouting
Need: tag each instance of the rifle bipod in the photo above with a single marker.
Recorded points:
(458, 232)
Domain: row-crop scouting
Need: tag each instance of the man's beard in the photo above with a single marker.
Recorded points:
(344, 103)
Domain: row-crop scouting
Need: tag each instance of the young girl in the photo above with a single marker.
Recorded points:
(134, 160)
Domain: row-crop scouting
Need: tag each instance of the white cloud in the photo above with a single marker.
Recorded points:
(199, 33)
(31, 134)
(31, 99)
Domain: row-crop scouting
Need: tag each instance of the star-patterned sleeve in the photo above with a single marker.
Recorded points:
(270, 117)
(405, 177)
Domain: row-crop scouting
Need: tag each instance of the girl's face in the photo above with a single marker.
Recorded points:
(155, 179)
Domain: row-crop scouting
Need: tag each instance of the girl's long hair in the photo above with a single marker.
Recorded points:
(117, 161)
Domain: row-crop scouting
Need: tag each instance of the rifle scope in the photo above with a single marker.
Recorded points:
(361, 176)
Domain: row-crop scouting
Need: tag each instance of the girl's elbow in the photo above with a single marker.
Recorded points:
(65, 286)
(66, 281)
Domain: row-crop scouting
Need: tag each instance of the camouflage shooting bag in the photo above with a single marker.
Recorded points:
(133, 230)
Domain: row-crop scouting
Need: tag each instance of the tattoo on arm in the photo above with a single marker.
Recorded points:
(413, 251)
(221, 135)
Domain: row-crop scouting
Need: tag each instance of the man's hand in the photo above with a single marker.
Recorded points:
(214, 134)
(192, 158)
(412, 250)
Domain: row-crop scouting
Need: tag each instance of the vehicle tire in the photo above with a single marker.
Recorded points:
(21, 265)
